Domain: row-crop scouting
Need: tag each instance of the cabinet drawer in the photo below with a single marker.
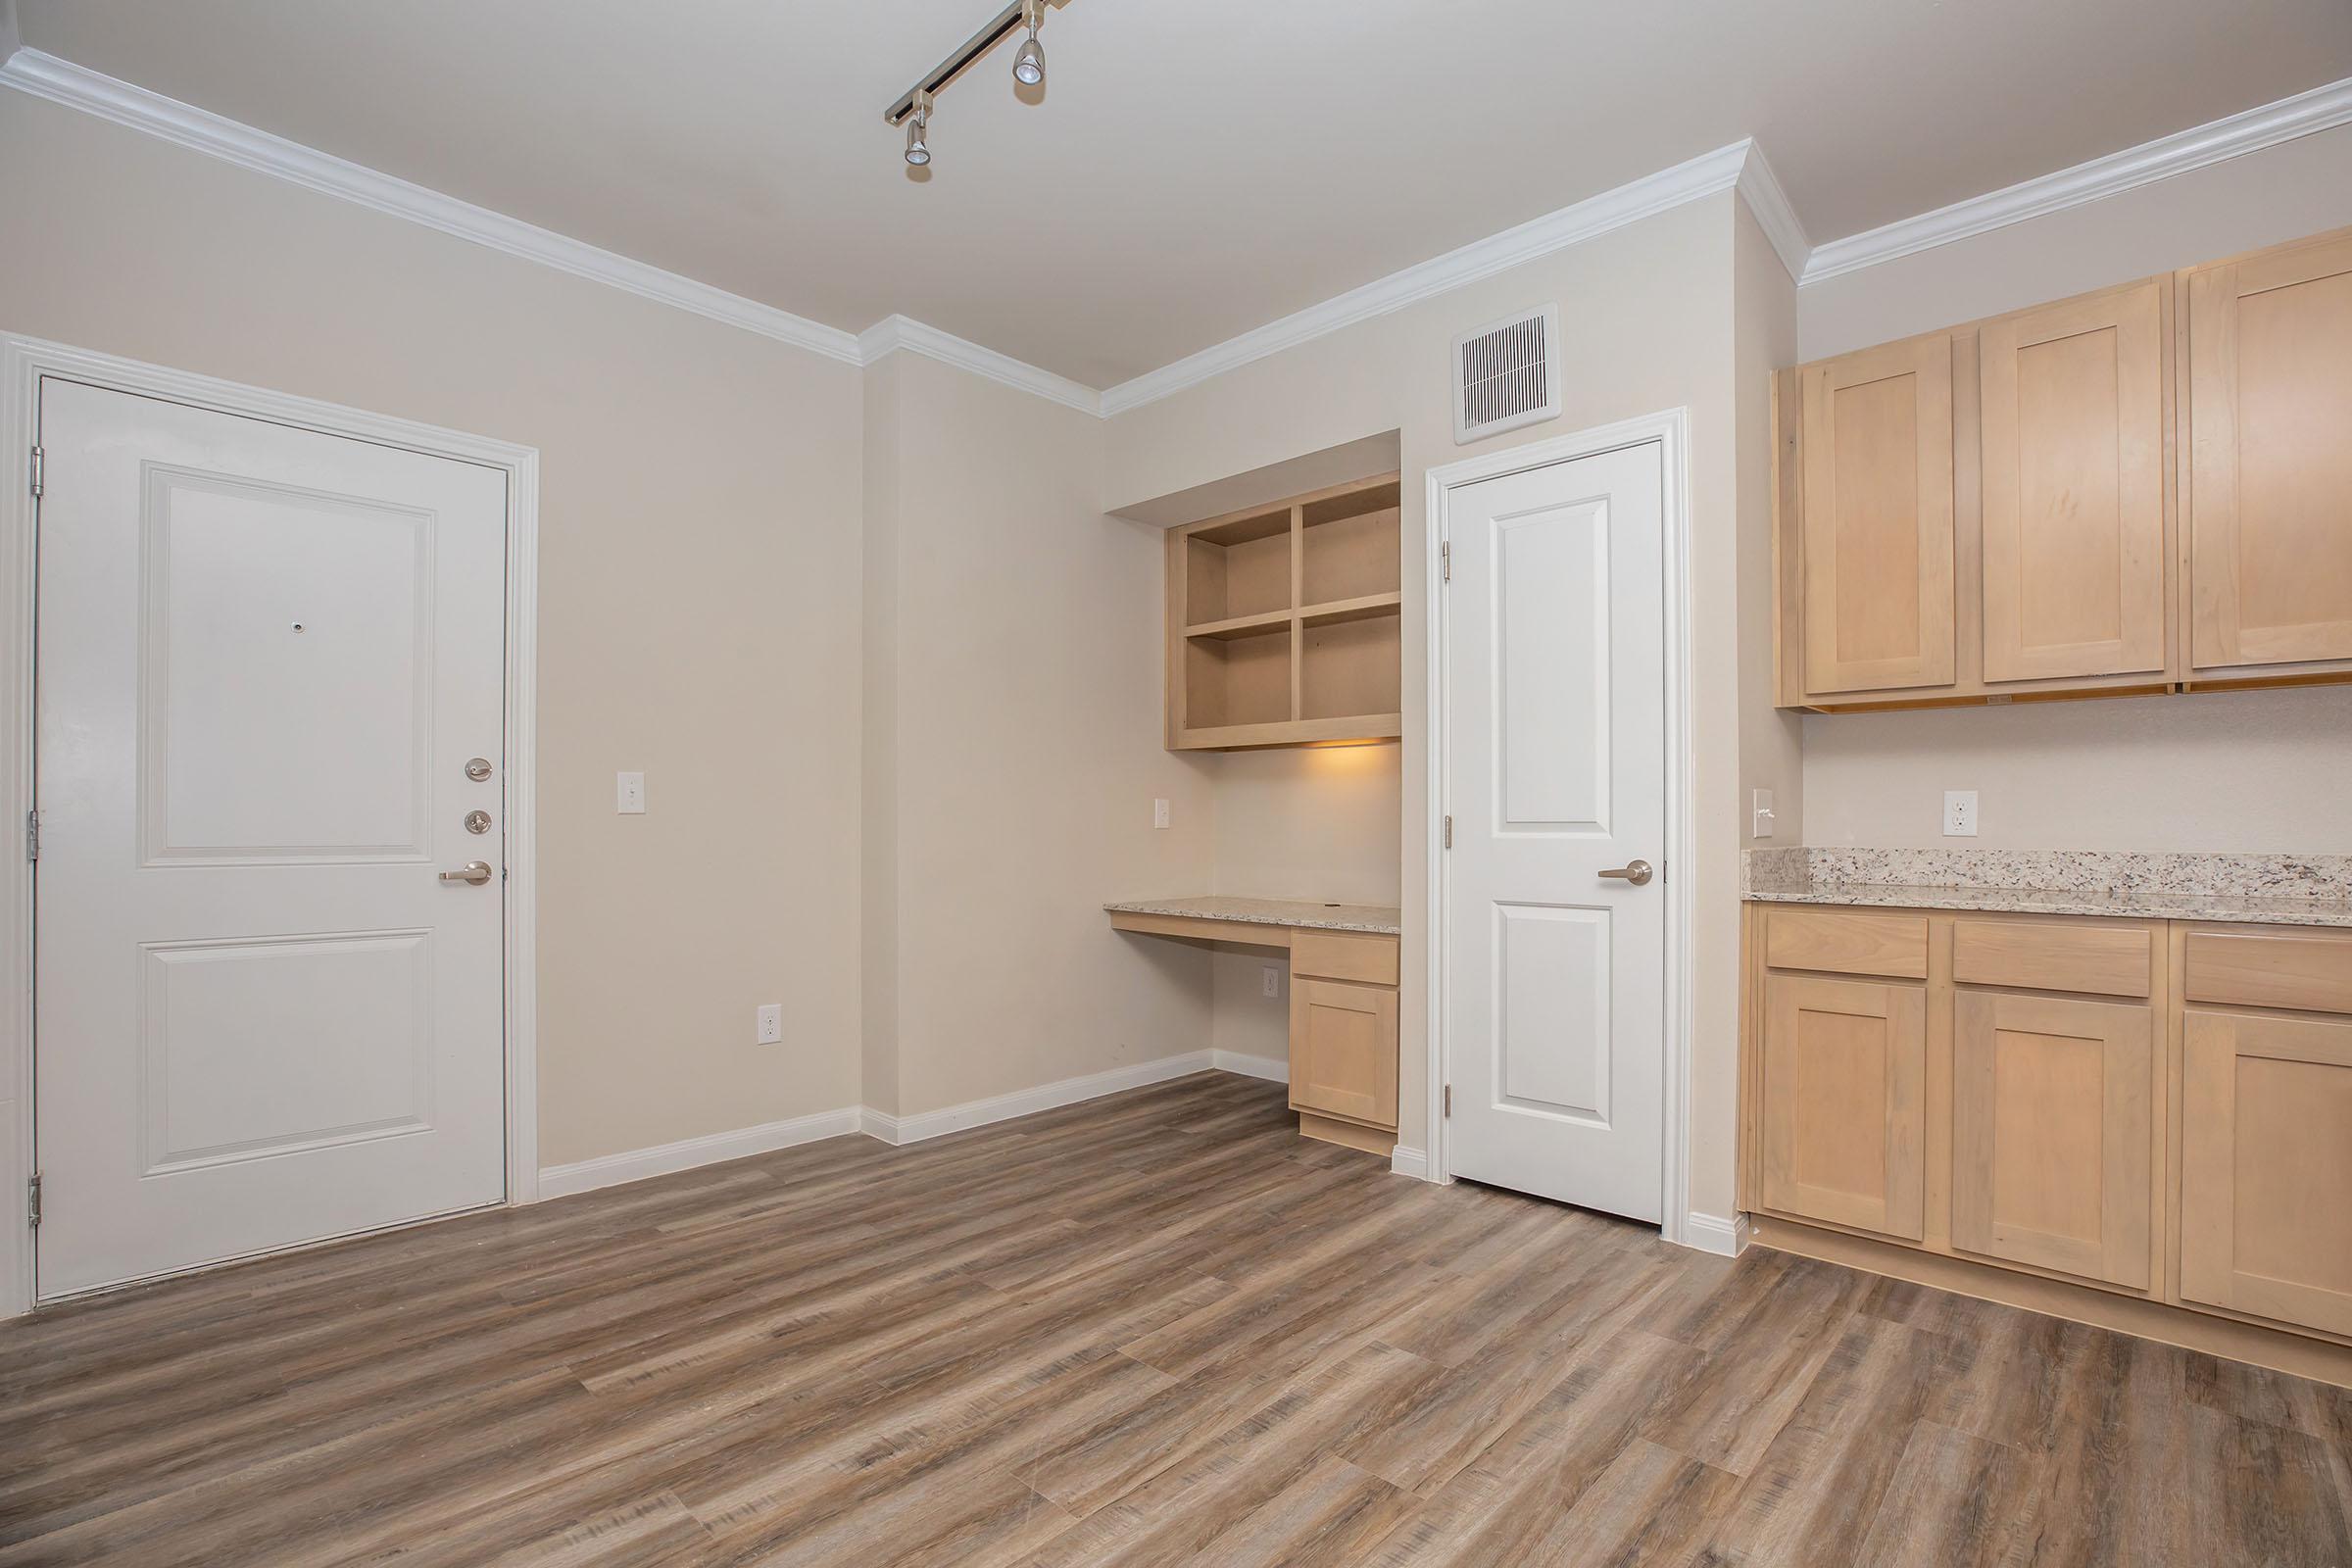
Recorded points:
(2103, 960)
(1343, 955)
(2308, 971)
(1847, 941)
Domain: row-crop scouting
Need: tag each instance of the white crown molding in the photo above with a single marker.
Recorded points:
(2320, 109)
(1763, 191)
(637, 1164)
(895, 332)
(1573, 225)
(62, 82)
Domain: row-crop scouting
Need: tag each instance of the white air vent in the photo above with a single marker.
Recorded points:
(1506, 374)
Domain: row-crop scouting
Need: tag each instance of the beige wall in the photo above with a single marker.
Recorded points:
(1646, 324)
(1026, 749)
(2235, 771)
(697, 610)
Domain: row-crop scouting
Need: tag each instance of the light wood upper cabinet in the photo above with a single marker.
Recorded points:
(2074, 487)
(2053, 1128)
(1344, 1051)
(2265, 1161)
(1876, 519)
(1842, 1113)
(2268, 497)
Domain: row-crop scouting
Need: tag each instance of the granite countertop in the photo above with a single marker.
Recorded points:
(2255, 889)
(1369, 918)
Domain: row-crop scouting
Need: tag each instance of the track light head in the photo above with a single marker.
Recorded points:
(1029, 61)
(919, 151)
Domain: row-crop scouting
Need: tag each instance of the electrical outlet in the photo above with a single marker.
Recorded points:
(1761, 826)
(1269, 980)
(771, 1023)
(1159, 812)
(631, 791)
(1959, 813)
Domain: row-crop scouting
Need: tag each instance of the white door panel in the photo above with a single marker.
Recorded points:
(1555, 771)
(265, 656)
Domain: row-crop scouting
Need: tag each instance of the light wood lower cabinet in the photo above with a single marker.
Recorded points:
(2266, 1166)
(1343, 1049)
(2159, 1109)
(2053, 1132)
(1844, 1126)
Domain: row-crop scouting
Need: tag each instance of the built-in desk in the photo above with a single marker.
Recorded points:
(1343, 968)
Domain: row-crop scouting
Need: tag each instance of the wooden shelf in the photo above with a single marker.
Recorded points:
(1286, 622)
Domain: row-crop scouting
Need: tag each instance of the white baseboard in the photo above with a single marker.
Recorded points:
(1711, 1233)
(1406, 1160)
(1029, 1102)
(636, 1164)
(1273, 1069)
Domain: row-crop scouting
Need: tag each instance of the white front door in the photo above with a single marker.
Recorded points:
(265, 658)
(1554, 775)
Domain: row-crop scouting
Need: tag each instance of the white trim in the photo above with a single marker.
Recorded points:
(24, 361)
(1029, 1102)
(1712, 1233)
(1670, 428)
(1273, 1069)
(1762, 190)
(894, 332)
(2320, 109)
(688, 1153)
(1405, 1161)
(1630, 203)
(10, 39)
(75, 87)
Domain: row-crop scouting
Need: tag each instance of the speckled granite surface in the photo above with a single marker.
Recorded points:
(1369, 918)
(2261, 889)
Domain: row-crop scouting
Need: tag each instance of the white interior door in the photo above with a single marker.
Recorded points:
(1554, 776)
(265, 658)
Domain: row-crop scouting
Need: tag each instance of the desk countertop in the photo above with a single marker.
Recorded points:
(1271, 911)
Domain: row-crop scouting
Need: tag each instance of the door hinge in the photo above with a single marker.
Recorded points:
(1449, 1099)
(1448, 833)
(32, 1201)
(1444, 558)
(37, 473)
(32, 835)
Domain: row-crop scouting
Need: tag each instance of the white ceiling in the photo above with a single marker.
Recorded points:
(1198, 168)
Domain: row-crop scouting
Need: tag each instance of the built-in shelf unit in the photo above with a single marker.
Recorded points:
(1284, 623)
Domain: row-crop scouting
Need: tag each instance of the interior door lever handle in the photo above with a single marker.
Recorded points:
(1638, 872)
(478, 872)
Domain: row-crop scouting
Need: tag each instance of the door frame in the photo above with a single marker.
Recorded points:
(1670, 428)
(23, 362)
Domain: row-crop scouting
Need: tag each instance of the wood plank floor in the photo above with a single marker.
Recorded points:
(1152, 1328)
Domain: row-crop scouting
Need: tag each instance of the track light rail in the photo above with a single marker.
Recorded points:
(956, 65)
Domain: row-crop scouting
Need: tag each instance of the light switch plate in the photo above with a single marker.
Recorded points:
(631, 794)
(771, 1023)
(1760, 825)
(1159, 812)
(1959, 813)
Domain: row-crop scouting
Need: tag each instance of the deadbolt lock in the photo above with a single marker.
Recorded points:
(478, 769)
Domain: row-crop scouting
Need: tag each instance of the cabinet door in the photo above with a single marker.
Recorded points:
(2053, 1122)
(1877, 520)
(1344, 1051)
(2265, 1161)
(2268, 501)
(2074, 488)
(1843, 1115)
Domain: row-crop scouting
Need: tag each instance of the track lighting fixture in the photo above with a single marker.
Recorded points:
(1029, 61)
(919, 151)
(914, 108)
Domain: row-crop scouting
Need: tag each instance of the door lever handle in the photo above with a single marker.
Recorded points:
(1638, 872)
(477, 873)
